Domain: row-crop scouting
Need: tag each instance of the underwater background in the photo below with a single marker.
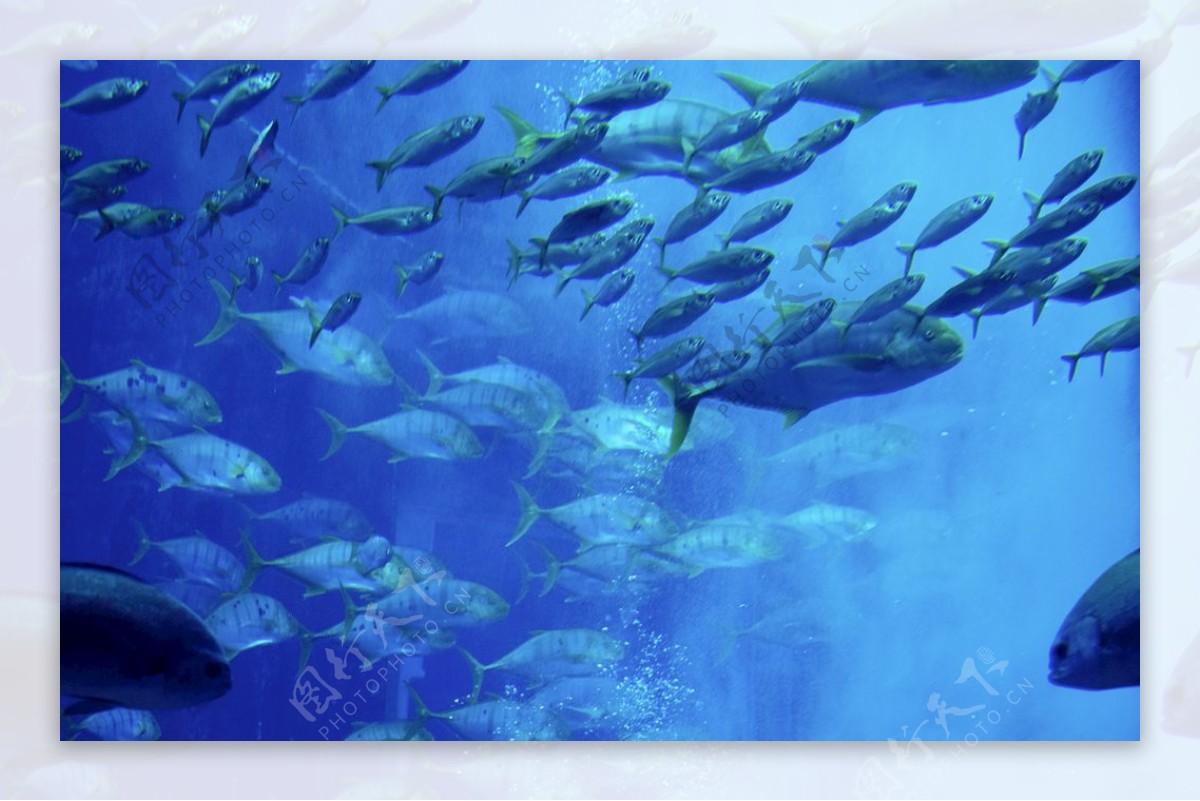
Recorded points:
(1010, 491)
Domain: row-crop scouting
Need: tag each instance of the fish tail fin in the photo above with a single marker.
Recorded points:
(386, 93)
(438, 195)
(748, 88)
(526, 196)
(514, 262)
(1021, 145)
(1039, 304)
(423, 713)
(144, 541)
(1051, 79)
(342, 219)
(543, 246)
(1073, 360)
(525, 134)
(106, 225)
(436, 377)
(527, 577)
(1191, 354)
(227, 317)
(553, 568)
(909, 252)
(976, 315)
(662, 251)
(564, 278)
(206, 130)
(626, 379)
(477, 671)
(689, 152)
(381, 168)
(136, 448)
(637, 337)
(1103, 360)
(182, 100)
(66, 381)
(1035, 205)
(725, 240)
(588, 302)
(529, 513)
(337, 433)
(316, 332)
(571, 106)
(543, 439)
(254, 562)
(685, 404)
(401, 280)
(298, 101)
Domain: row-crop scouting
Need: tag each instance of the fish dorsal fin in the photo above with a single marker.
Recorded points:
(865, 115)
(139, 364)
(526, 135)
(963, 271)
(794, 416)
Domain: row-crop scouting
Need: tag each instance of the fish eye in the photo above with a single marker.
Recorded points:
(930, 334)
(1061, 650)
(213, 670)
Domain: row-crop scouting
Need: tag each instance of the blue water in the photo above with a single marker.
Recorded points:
(1022, 490)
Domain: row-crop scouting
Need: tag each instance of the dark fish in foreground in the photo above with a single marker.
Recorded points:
(307, 266)
(611, 291)
(1079, 71)
(885, 300)
(68, 155)
(1065, 181)
(421, 272)
(758, 220)
(125, 643)
(1106, 192)
(889, 354)
(422, 78)
(340, 312)
(566, 183)
(1121, 335)
(398, 221)
(674, 316)
(213, 84)
(425, 147)
(618, 97)
(950, 222)
(104, 174)
(1098, 646)
(866, 224)
(149, 223)
(693, 218)
(264, 143)
(1037, 107)
(665, 361)
(236, 102)
(337, 79)
(874, 86)
(1104, 281)
(1057, 225)
(106, 96)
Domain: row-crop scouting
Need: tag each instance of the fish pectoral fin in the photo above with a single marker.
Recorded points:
(286, 368)
(312, 592)
(397, 457)
(865, 115)
(864, 362)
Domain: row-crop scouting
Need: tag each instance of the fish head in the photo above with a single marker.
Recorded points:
(761, 258)
(320, 246)
(432, 261)
(622, 203)
(693, 344)
(138, 166)
(980, 203)
(199, 675)
(1086, 211)
(199, 405)
(246, 70)
(636, 75)
(654, 90)
(717, 200)
(626, 276)
(373, 554)
(593, 132)
(1076, 659)
(781, 207)
(485, 605)
(701, 301)
(115, 192)
(171, 219)
(1091, 159)
(757, 117)
(932, 346)
(262, 83)
(608, 649)
(466, 126)
(262, 184)
(825, 307)
(903, 191)
(839, 129)
(1123, 184)
(370, 363)
(260, 477)
(912, 283)
(1069, 248)
(133, 87)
